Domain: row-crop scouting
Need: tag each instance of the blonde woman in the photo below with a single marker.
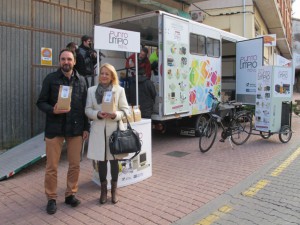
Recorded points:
(103, 125)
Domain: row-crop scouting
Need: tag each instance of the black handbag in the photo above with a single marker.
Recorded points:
(125, 141)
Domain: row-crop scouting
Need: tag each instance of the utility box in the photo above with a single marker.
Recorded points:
(274, 88)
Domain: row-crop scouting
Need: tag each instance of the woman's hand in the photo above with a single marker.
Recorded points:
(105, 115)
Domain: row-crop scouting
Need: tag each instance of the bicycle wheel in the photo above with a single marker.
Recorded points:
(285, 134)
(241, 129)
(265, 135)
(208, 135)
(199, 124)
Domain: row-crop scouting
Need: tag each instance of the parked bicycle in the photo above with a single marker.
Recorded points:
(238, 129)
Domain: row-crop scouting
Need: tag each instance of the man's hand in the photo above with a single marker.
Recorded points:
(59, 111)
(85, 135)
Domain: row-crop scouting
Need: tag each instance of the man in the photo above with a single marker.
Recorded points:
(71, 126)
(90, 58)
(144, 66)
(79, 66)
(147, 94)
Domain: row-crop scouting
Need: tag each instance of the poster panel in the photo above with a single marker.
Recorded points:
(140, 167)
(281, 61)
(263, 98)
(46, 56)
(107, 38)
(282, 82)
(249, 56)
(269, 40)
(176, 61)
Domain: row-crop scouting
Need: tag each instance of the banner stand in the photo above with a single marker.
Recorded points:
(140, 167)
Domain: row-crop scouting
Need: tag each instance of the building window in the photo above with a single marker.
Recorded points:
(257, 30)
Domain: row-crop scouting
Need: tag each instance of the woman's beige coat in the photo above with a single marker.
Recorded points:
(98, 145)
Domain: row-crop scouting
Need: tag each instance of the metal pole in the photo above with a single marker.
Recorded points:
(136, 79)
(244, 13)
(98, 66)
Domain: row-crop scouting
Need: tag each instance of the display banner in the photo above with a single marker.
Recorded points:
(249, 56)
(296, 60)
(116, 40)
(282, 82)
(269, 40)
(281, 61)
(140, 167)
(263, 98)
(176, 61)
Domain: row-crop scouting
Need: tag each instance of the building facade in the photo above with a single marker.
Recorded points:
(296, 52)
(30, 28)
(252, 18)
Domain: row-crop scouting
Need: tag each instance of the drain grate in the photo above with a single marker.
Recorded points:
(177, 154)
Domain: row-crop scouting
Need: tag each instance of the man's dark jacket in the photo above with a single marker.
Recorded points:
(89, 60)
(147, 94)
(68, 124)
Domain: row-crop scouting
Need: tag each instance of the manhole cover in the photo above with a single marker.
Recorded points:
(177, 153)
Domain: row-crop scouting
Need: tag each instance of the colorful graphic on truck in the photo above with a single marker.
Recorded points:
(204, 77)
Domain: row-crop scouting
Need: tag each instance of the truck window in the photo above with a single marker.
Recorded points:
(197, 44)
(213, 47)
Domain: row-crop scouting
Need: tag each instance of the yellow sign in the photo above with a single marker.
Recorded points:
(46, 56)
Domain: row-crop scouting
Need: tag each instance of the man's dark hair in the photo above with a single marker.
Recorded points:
(71, 45)
(67, 50)
(144, 49)
(85, 38)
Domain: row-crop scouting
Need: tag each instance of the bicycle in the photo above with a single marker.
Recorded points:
(239, 127)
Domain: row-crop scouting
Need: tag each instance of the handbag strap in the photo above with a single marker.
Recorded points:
(135, 154)
(128, 124)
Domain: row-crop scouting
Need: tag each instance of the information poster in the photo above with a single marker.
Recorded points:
(282, 82)
(263, 98)
(176, 61)
(140, 167)
(249, 57)
(46, 56)
(107, 38)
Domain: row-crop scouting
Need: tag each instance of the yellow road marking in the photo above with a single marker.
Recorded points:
(215, 215)
(250, 192)
(256, 188)
(286, 163)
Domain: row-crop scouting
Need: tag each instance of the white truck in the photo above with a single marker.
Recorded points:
(194, 59)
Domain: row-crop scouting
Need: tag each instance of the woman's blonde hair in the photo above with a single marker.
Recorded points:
(111, 68)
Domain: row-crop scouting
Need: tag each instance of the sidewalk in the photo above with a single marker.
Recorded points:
(270, 196)
(179, 185)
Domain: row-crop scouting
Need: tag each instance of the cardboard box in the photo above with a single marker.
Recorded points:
(108, 102)
(136, 113)
(64, 97)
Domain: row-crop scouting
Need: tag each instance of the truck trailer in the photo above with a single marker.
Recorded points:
(193, 60)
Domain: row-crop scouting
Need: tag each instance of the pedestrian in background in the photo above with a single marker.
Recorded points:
(103, 125)
(79, 66)
(144, 66)
(147, 95)
(90, 58)
(71, 126)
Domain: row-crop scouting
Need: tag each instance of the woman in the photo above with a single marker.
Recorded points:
(103, 125)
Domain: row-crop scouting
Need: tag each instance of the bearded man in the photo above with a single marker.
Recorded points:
(70, 125)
